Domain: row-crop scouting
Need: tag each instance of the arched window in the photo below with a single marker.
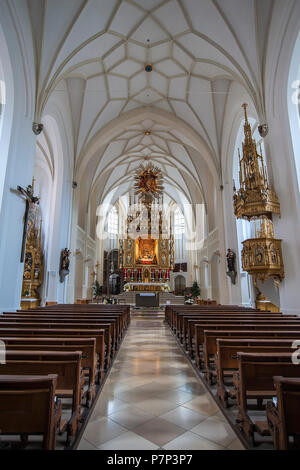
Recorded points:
(179, 222)
(113, 222)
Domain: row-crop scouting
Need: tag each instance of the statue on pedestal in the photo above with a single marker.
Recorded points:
(64, 264)
(231, 270)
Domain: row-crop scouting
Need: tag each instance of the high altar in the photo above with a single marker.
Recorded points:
(146, 254)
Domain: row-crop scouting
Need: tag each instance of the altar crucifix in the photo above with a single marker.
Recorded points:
(94, 273)
(31, 202)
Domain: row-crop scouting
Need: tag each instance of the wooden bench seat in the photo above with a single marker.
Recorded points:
(87, 346)
(28, 406)
(123, 310)
(248, 327)
(181, 328)
(188, 330)
(108, 328)
(62, 333)
(117, 331)
(67, 326)
(183, 319)
(226, 357)
(118, 317)
(173, 311)
(70, 380)
(284, 416)
(254, 380)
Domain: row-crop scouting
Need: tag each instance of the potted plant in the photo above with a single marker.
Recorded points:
(195, 290)
(96, 290)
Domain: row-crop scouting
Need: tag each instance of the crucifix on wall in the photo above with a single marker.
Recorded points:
(94, 273)
(31, 202)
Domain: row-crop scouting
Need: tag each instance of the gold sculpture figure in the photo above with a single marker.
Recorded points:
(148, 181)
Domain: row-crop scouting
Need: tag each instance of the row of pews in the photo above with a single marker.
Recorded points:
(56, 359)
(245, 357)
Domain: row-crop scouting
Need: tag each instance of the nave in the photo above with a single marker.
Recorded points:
(153, 399)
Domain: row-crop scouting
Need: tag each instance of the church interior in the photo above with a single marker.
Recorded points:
(150, 222)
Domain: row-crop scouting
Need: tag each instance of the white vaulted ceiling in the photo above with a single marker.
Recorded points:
(94, 51)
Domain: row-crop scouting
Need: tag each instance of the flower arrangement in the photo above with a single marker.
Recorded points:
(166, 287)
(126, 287)
(188, 299)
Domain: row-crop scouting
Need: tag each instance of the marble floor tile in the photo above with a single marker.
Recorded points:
(215, 430)
(129, 441)
(204, 404)
(191, 441)
(153, 398)
(236, 445)
(102, 430)
(131, 417)
(159, 431)
(184, 417)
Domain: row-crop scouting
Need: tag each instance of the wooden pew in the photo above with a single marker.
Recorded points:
(62, 333)
(116, 333)
(65, 325)
(265, 326)
(87, 346)
(284, 417)
(226, 357)
(183, 319)
(123, 310)
(189, 323)
(109, 329)
(209, 347)
(59, 329)
(254, 321)
(254, 380)
(173, 311)
(28, 406)
(67, 366)
(117, 316)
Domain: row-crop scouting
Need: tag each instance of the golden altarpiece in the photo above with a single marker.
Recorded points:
(255, 199)
(146, 253)
(33, 264)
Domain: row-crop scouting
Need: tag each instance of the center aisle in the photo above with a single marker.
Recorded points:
(153, 399)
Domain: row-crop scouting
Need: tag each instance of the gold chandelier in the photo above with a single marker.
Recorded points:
(262, 255)
(255, 197)
(148, 181)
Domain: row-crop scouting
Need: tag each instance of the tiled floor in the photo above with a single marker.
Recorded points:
(152, 399)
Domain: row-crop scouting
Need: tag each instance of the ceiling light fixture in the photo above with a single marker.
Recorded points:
(148, 68)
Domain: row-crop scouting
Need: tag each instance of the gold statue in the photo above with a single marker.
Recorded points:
(148, 181)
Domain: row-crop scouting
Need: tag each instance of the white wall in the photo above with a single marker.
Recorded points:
(17, 147)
